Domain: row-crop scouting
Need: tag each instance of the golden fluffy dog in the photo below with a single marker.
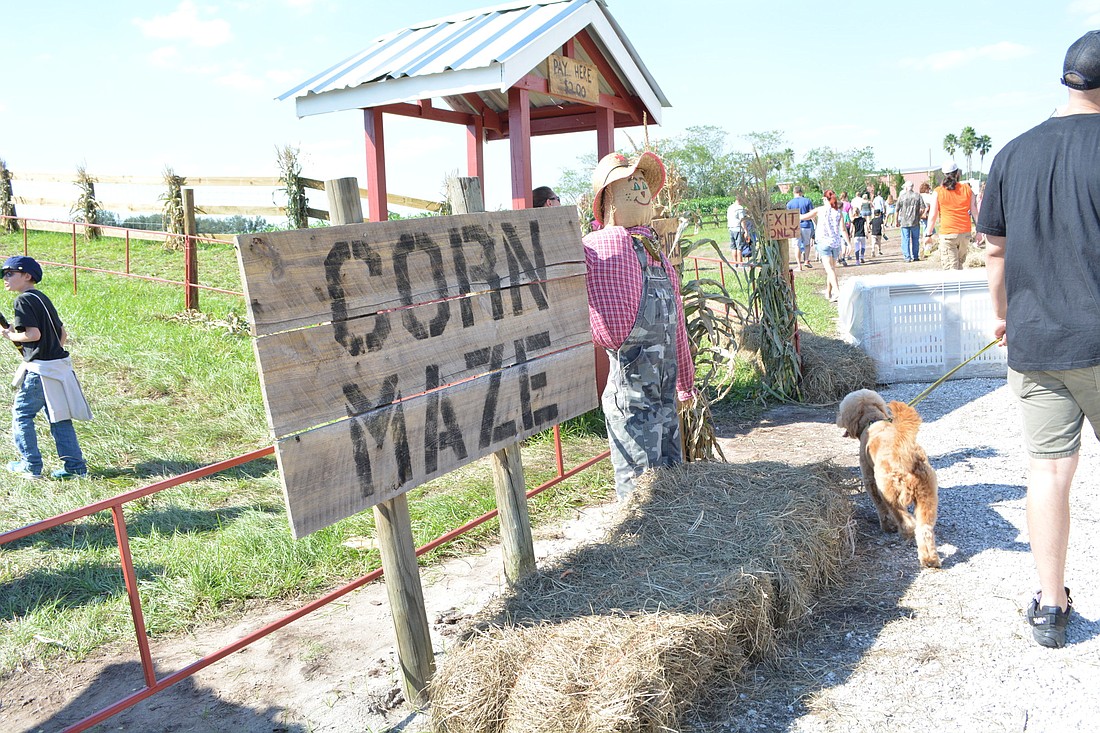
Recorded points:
(896, 471)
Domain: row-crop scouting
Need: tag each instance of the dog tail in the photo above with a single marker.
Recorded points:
(906, 423)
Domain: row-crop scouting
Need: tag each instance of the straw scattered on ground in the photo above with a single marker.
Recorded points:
(703, 567)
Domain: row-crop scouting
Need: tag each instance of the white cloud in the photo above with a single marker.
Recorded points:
(944, 60)
(286, 78)
(184, 24)
(165, 57)
(1002, 100)
(242, 81)
(1089, 9)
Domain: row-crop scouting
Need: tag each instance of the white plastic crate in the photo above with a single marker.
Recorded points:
(917, 326)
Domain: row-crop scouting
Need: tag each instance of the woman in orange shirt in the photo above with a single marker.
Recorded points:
(954, 206)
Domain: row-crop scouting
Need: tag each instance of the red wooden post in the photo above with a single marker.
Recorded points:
(519, 136)
(475, 152)
(378, 206)
(605, 132)
(74, 257)
(605, 143)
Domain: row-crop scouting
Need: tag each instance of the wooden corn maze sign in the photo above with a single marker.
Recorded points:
(391, 353)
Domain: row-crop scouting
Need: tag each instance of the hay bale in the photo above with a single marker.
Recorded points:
(607, 674)
(706, 561)
(470, 698)
(752, 335)
(832, 368)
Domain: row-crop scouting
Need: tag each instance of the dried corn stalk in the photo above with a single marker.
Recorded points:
(86, 208)
(7, 201)
(290, 173)
(771, 298)
(173, 208)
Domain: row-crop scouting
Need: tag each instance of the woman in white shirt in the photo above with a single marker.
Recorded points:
(831, 238)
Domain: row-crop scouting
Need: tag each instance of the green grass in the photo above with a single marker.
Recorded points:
(217, 260)
(172, 394)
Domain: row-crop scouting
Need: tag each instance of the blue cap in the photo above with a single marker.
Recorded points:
(22, 263)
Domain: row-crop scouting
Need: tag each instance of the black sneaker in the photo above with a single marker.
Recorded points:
(1048, 623)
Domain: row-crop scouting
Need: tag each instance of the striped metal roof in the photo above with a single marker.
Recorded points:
(485, 50)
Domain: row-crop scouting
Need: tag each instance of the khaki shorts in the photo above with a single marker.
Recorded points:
(1054, 406)
(953, 249)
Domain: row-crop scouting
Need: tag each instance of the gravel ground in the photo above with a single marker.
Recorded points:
(942, 650)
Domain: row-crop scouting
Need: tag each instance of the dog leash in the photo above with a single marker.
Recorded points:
(941, 380)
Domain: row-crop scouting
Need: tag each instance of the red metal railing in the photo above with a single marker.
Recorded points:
(189, 283)
(153, 685)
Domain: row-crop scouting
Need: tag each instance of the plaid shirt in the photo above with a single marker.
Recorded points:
(615, 292)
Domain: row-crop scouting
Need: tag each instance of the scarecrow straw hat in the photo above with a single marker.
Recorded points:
(616, 167)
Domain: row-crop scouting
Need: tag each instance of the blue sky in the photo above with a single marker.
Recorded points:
(128, 87)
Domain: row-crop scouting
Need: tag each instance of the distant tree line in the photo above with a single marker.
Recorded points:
(708, 173)
(205, 224)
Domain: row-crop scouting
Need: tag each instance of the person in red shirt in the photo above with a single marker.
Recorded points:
(637, 316)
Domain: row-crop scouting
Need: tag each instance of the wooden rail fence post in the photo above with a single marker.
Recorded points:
(464, 195)
(344, 201)
(394, 533)
(190, 252)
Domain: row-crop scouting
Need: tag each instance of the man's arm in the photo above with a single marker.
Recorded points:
(995, 272)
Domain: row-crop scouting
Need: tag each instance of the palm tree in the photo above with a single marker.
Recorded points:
(950, 144)
(968, 140)
(985, 144)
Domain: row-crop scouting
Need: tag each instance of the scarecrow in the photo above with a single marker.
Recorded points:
(637, 316)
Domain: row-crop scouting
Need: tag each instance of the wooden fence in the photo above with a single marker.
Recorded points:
(246, 182)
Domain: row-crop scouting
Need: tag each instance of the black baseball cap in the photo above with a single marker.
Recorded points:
(22, 263)
(1081, 69)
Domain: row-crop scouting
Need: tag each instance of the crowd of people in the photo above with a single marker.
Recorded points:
(944, 215)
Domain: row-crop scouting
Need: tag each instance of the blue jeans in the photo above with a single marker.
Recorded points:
(910, 242)
(29, 401)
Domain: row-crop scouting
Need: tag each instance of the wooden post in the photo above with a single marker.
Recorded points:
(344, 201)
(395, 538)
(410, 619)
(190, 252)
(517, 544)
(464, 195)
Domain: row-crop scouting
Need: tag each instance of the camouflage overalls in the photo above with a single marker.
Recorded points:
(639, 401)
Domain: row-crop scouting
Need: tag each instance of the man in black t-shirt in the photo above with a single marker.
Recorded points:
(1039, 215)
(45, 378)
